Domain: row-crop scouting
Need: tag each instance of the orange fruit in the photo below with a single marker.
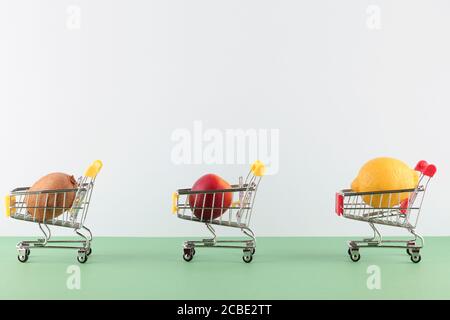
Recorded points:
(384, 174)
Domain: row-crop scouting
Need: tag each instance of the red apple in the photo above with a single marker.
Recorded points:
(210, 206)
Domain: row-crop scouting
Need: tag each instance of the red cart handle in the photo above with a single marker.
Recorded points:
(426, 169)
(339, 208)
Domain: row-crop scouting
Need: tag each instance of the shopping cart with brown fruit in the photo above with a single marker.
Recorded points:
(375, 209)
(190, 205)
(65, 208)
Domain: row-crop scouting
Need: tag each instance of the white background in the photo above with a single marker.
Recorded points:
(339, 92)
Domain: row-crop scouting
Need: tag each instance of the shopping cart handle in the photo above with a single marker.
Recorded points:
(430, 171)
(93, 169)
(258, 168)
(7, 206)
(339, 208)
(421, 165)
(174, 202)
(10, 201)
(426, 169)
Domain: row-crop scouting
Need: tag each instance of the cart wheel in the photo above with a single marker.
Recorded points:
(27, 252)
(253, 251)
(89, 252)
(355, 256)
(187, 257)
(247, 258)
(408, 251)
(22, 259)
(416, 258)
(82, 258)
(349, 252)
(193, 252)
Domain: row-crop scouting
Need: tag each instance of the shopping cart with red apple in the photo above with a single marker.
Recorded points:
(237, 215)
(365, 207)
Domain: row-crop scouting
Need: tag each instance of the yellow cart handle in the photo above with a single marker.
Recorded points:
(258, 168)
(10, 200)
(93, 169)
(174, 202)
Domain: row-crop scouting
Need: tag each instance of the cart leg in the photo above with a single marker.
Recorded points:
(210, 241)
(47, 234)
(251, 244)
(87, 239)
(89, 233)
(410, 245)
(23, 247)
(86, 251)
(377, 238)
(417, 237)
(416, 245)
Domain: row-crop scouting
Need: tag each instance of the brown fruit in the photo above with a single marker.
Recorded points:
(44, 204)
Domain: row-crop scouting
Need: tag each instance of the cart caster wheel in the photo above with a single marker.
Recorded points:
(89, 252)
(193, 252)
(253, 251)
(349, 252)
(82, 258)
(355, 256)
(187, 257)
(22, 259)
(416, 258)
(408, 251)
(28, 252)
(247, 258)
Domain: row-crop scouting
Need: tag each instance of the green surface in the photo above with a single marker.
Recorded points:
(283, 268)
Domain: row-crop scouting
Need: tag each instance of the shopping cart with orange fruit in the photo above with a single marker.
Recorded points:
(396, 208)
(52, 208)
(200, 206)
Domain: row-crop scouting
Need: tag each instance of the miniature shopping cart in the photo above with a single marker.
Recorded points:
(370, 207)
(238, 215)
(72, 217)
